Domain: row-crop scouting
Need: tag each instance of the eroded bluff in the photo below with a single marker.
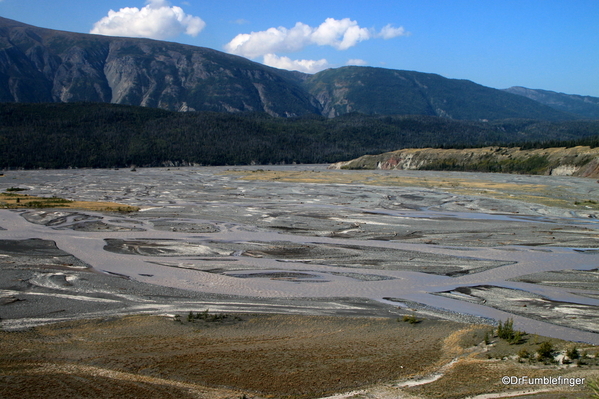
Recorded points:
(575, 161)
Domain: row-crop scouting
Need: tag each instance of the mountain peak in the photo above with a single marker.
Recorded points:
(44, 65)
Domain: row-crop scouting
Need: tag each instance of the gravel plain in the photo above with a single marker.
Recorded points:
(304, 240)
(289, 234)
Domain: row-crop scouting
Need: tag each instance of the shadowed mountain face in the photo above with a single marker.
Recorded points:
(585, 106)
(43, 65)
(385, 91)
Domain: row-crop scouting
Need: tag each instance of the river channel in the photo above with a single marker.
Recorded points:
(463, 246)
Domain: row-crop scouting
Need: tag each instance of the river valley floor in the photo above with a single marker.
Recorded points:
(315, 270)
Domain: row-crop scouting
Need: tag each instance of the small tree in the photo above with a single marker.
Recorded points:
(545, 350)
(487, 338)
(523, 354)
(573, 353)
(506, 330)
(516, 338)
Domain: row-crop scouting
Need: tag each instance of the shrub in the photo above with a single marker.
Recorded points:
(516, 338)
(523, 354)
(573, 353)
(545, 350)
(411, 319)
(487, 338)
(506, 331)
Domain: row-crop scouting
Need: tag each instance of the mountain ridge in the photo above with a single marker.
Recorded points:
(42, 65)
(372, 90)
(585, 106)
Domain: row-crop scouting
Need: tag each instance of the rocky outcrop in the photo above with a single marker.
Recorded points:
(574, 161)
(42, 65)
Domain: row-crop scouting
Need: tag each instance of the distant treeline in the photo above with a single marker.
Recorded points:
(105, 135)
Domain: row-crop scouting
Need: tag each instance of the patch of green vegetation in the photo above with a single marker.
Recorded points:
(207, 317)
(536, 164)
(46, 202)
(587, 203)
(506, 331)
(573, 353)
(545, 351)
(412, 319)
(506, 343)
(26, 201)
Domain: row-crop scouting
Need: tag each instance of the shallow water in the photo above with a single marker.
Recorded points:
(204, 229)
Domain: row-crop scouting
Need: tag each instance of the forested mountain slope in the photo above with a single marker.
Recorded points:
(42, 65)
(56, 135)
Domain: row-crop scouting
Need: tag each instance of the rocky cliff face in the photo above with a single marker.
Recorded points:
(41, 65)
(575, 161)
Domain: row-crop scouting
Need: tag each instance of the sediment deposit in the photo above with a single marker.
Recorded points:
(574, 161)
(309, 246)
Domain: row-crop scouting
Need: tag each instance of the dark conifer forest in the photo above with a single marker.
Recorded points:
(97, 135)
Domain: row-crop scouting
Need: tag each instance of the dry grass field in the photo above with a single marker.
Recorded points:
(259, 356)
(542, 194)
(11, 200)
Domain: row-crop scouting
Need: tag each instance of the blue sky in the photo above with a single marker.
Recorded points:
(540, 44)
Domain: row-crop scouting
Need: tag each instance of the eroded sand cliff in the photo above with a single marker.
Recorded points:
(574, 161)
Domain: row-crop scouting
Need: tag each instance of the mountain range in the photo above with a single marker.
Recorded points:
(40, 65)
(585, 106)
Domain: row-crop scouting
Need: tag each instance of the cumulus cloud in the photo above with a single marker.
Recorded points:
(307, 66)
(157, 20)
(273, 40)
(340, 34)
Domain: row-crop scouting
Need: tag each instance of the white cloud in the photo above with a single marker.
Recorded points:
(273, 40)
(356, 61)
(389, 32)
(157, 20)
(307, 66)
(337, 33)
(341, 34)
